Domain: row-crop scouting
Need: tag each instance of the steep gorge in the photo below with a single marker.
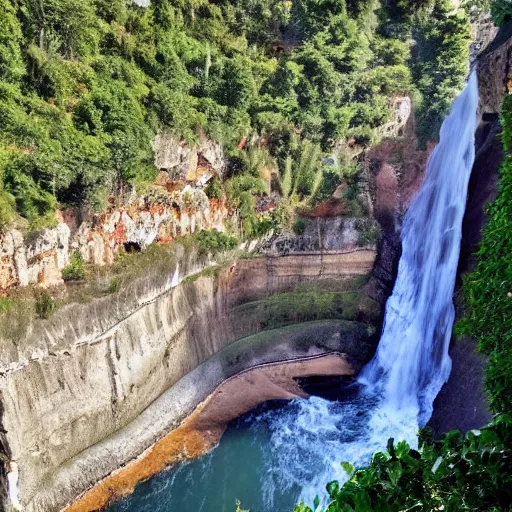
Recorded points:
(91, 370)
(90, 386)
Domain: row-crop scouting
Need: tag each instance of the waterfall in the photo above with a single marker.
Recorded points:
(412, 361)
(292, 453)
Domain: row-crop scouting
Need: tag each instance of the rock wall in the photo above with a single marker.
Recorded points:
(91, 370)
(483, 33)
(186, 162)
(495, 74)
(39, 257)
(323, 234)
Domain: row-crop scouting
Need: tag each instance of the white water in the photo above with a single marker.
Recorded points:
(412, 361)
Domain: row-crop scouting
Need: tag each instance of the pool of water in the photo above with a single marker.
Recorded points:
(271, 458)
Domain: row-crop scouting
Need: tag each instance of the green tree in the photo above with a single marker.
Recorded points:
(11, 62)
(501, 12)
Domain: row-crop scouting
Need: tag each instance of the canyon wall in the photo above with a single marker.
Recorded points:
(39, 257)
(462, 403)
(92, 369)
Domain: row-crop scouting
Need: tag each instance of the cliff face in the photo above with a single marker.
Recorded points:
(39, 257)
(395, 170)
(326, 235)
(91, 370)
(462, 403)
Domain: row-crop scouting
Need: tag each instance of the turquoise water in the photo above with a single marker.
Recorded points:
(267, 459)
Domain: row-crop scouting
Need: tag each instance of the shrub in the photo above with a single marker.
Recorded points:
(299, 227)
(501, 11)
(368, 232)
(488, 290)
(7, 304)
(213, 242)
(115, 284)
(471, 472)
(75, 271)
(45, 304)
(214, 188)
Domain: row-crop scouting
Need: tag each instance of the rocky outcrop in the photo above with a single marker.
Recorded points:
(185, 162)
(495, 74)
(326, 235)
(39, 257)
(401, 107)
(483, 33)
(93, 369)
(395, 168)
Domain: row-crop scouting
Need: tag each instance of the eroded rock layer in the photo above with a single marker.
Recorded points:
(91, 371)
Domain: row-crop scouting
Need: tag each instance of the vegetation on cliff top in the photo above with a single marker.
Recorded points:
(85, 85)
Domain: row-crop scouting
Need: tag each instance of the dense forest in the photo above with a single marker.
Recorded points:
(86, 84)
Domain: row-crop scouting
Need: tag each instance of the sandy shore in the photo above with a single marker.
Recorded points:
(203, 429)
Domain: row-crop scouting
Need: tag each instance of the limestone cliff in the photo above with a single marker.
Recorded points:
(91, 370)
(39, 257)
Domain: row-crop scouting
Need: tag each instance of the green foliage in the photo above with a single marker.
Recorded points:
(286, 178)
(86, 84)
(45, 304)
(488, 290)
(440, 65)
(458, 473)
(368, 231)
(324, 300)
(75, 271)
(214, 188)
(115, 284)
(501, 12)
(240, 192)
(331, 179)
(11, 63)
(213, 242)
(7, 304)
(299, 227)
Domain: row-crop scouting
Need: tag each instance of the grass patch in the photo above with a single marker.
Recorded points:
(309, 302)
(210, 242)
(75, 271)
(207, 272)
